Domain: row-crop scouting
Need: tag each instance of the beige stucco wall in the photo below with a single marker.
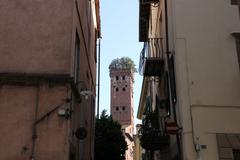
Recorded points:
(207, 70)
(207, 73)
(210, 50)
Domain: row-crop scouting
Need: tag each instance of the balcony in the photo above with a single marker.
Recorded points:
(152, 133)
(153, 140)
(151, 61)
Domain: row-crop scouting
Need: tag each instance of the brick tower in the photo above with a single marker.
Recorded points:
(122, 103)
(122, 96)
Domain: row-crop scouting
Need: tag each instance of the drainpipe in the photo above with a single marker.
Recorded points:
(98, 86)
(169, 85)
(34, 128)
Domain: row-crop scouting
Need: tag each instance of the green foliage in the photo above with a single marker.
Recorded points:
(123, 63)
(110, 143)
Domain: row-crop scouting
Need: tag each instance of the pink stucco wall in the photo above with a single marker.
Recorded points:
(35, 36)
(39, 37)
(17, 112)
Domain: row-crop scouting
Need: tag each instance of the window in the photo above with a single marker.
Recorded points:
(228, 146)
(172, 79)
(72, 156)
(124, 89)
(117, 78)
(116, 89)
(123, 108)
(236, 154)
(237, 37)
(76, 59)
(117, 108)
(123, 77)
(236, 2)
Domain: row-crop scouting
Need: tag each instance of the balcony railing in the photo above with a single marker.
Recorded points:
(151, 61)
(153, 135)
(152, 139)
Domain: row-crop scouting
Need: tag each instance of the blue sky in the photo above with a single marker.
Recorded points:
(119, 27)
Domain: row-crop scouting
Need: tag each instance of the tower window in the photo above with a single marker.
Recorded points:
(116, 89)
(117, 108)
(123, 108)
(123, 77)
(117, 78)
(124, 89)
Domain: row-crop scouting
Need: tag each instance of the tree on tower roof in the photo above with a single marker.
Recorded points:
(123, 63)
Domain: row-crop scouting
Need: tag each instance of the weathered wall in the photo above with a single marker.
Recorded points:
(39, 37)
(19, 105)
(35, 36)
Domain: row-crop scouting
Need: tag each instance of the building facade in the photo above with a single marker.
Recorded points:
(47, 69)
(138, 151)
(122, 104)
(195, 90)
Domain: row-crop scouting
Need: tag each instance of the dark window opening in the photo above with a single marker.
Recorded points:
(123, 78)
(88, 77)
(172, 79)
(236, 154)
(123, 108)
(72, 156)
(237, 37)
(116, 89)
(76, 58)
(117, 78)
(124, 89)
(117, 108)
(237, 3)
